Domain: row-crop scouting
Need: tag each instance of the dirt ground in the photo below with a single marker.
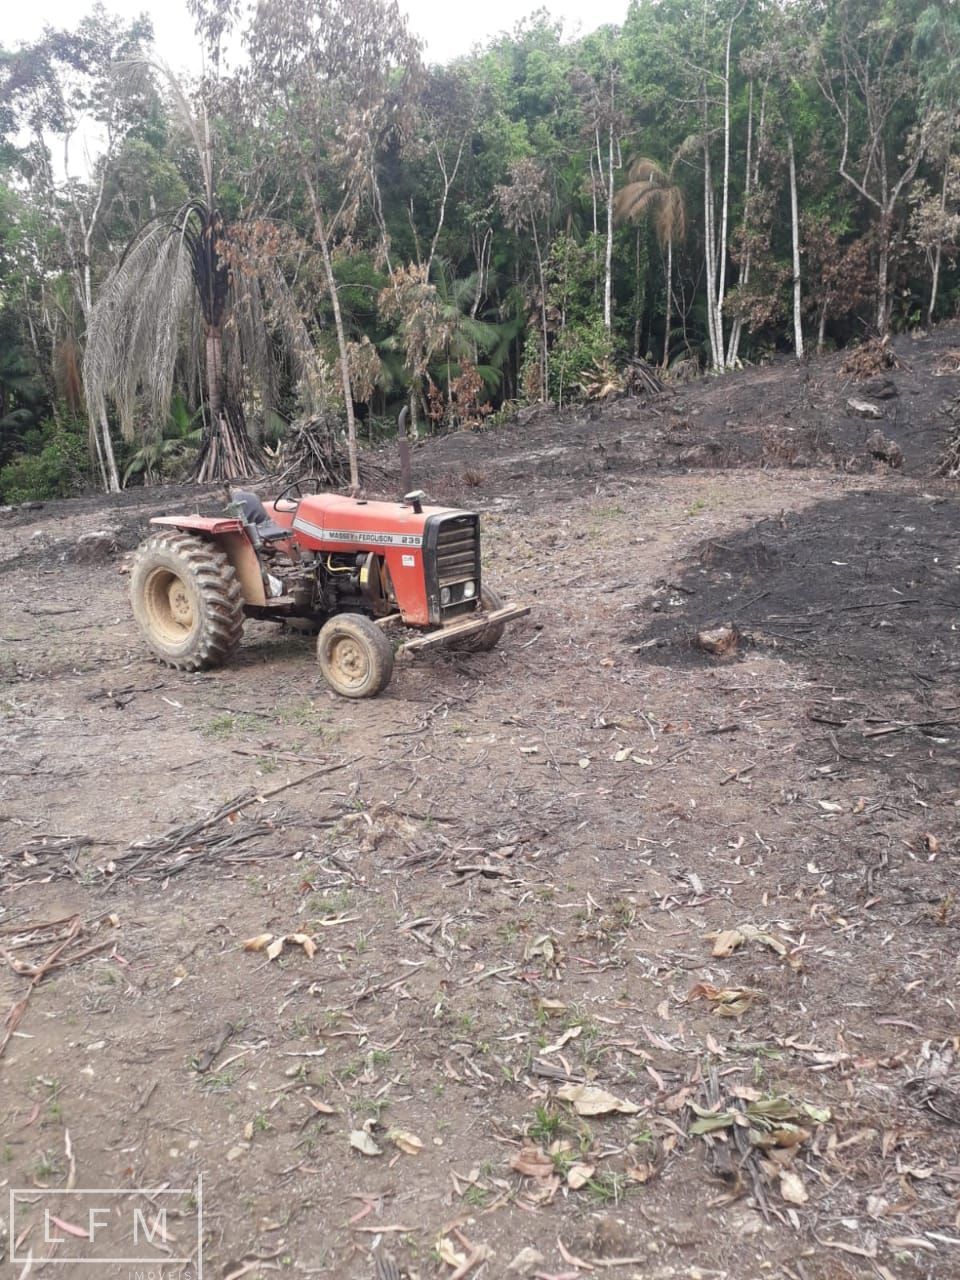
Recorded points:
(620, 958)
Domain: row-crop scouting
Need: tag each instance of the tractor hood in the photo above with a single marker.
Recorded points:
(332, 518)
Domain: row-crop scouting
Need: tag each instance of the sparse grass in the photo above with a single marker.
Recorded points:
(218, 1081)
(304, 715)
(46, 1166)
(226, 725)
(371, 1106)
(476, 1196)
(607, 1188)
(332, 904)
(545, 1126)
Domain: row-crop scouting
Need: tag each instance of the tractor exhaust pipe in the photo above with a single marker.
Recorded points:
(403, 448)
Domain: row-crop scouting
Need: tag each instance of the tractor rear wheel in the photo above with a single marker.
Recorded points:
(356, 658)
(487, 639)
(186, 600)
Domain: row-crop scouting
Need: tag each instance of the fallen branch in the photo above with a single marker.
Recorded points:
(19, 1008)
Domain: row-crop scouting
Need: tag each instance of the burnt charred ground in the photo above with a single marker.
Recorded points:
(509, 865)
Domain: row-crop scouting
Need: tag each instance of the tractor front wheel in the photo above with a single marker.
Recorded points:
(186, 600)
(487, 639)
(356, 658)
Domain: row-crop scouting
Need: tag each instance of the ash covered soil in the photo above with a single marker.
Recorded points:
(620, 958)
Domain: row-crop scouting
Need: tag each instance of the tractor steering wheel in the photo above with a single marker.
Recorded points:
(295, 491)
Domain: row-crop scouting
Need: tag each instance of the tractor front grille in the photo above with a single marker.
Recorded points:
(452, 559)
(458, 552)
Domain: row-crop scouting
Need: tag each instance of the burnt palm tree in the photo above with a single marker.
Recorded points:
(176, 294)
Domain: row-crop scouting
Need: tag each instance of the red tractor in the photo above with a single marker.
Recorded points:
(347, 567)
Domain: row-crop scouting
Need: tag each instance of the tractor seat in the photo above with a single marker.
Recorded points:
(254, 513)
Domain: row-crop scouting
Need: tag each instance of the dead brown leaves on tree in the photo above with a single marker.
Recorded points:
(870, 358)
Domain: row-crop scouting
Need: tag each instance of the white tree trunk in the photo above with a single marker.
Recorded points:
(725, 207)
(883, 279)
(938, 247)
(709, 249)
(321, 236)
(795, 229)
(544, 356)
(112, 477)
(733, 350)
(608, 262)
(668, 316)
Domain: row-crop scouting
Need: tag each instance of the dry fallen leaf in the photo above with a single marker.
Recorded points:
(728, 1002)
(304, 940)
(361, 1141)
(408, 1143)
(570, 1034)
(725, 942)
(322, 1108)
(532, 1162)
(578, 1175)
(767, 939)
(792, 1188)
(550, 1006)
(259, 943)
(588, 1100)
(447, 1252)
(274, 948)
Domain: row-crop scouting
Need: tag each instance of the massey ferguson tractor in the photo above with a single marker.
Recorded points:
(346, 567)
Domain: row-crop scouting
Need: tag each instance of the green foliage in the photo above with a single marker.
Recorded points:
(171, 456)
(54, 465)
(579, 348)
(464, 208)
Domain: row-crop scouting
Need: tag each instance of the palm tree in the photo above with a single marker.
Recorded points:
(176, 283)
(650, 188)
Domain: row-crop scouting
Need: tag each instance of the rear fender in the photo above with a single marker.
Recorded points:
(229, 536)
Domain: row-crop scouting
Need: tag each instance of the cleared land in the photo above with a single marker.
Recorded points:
(511, 866)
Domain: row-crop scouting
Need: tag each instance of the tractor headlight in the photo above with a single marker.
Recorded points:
(444, 595)
(469, 590)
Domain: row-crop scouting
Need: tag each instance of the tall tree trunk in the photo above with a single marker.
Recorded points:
(822, 327)
(725, 207)
(938, 247)
(668, 314)
(883, 279)
(544, 356)
(637, 302)
(214, 366)
(710, 248)
(733, 349)
(795, 230)
(608, 263)
(321, 236)
(105, 446)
